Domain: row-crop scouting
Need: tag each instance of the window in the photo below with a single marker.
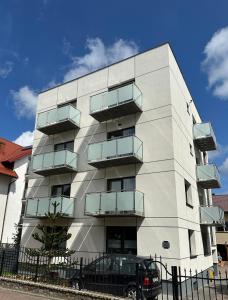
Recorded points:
(188, 193)
(206, 240)
(191, 149)
(192, 243)
(121, 133)
(73, 103)
(64, 146)
(25, 189)
(121, 184)
(188, 106)
(121, 239)
(121, 85)
(193, 120)
(60, 190)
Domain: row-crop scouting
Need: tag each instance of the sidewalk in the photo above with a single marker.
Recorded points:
(6, 294)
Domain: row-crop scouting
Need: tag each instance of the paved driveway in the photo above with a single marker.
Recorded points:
(6, 294)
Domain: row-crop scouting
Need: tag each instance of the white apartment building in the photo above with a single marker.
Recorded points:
(124, 152)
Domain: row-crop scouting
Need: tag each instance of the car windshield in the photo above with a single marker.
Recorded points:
(150, 265)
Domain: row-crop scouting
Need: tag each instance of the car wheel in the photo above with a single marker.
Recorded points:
(131, 293)
(76, 284)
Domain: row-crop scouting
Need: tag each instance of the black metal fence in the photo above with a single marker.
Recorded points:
(123, 279)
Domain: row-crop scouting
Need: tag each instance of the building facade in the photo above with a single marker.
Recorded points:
(222, 231)
(14, 160)
(123, 151)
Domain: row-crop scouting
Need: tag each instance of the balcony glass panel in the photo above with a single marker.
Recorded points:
(114, 203)
(207, 172)
(115, 97)
(39, 207)
(203, 130)
(59, 114)
(108, 202)
(31, 207)
(43, 206)
(125, 201)
(54, 159)
(211, 215)
(93, 203)
(113, 148)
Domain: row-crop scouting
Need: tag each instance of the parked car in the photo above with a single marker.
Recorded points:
(116, 274)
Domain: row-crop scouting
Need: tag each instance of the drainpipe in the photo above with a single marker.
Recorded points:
(4, 217)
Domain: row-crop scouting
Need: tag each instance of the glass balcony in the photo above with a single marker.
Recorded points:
(58, 119)
(208, 176)
(40, 207)
(211, 215)
(124, 150)
(53, 163)
(204, 136)
(125, 203)
(116, 103)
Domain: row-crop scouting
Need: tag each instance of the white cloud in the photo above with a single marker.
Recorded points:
(25, 139)
(216, 63)
(221, 151)
(6, 69)
(224, 167)
(99, 56)
(25, 101)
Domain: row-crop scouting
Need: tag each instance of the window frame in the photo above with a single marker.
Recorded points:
(188, 193)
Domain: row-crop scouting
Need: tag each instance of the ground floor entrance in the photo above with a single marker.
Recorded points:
(222, 250)
(121, 239)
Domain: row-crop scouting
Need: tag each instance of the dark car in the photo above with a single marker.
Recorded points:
(116, 274)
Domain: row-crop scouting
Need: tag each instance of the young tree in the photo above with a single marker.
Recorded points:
(51, 237)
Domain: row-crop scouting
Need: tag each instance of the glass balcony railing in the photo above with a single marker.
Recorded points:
(116, 103)
(52, 163)
(208, 176)
(211, 215)
(40, 207)
(123, 150)
(125, 203)
(204, 136)
(58, 119)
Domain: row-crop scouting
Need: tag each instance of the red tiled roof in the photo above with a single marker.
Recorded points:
(10, 152)
(221, 201)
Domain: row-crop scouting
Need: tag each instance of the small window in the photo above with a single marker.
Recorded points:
(206, 240)
(111, 88)
(72, 102)
(121, 133)
(188, 107)
(191, 149)
(60, 190)
(193, 120)
(188, 193)
(192, 243)
(121, 184)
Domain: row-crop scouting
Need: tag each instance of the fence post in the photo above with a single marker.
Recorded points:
(80, 270)
(137, 281)
(37, 267)
(2, 261)
(175, 283)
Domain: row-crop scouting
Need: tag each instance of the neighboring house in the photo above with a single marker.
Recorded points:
(14, 161)
(222, 231)
(123, 151)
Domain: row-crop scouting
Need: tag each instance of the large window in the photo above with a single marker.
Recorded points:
(121, 239)
(60, 190)
(192, 243)
(121, 184)
(121, 133)
(206, 240)
(188, 193)
(65, 146)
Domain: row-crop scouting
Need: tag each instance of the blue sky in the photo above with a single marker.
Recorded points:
(44, 42)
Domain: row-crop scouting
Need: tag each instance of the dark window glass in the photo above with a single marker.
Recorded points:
(65, 146)
(206, 240)
(120, 133)
(121, 240)
(121, 184)
(61, 190)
